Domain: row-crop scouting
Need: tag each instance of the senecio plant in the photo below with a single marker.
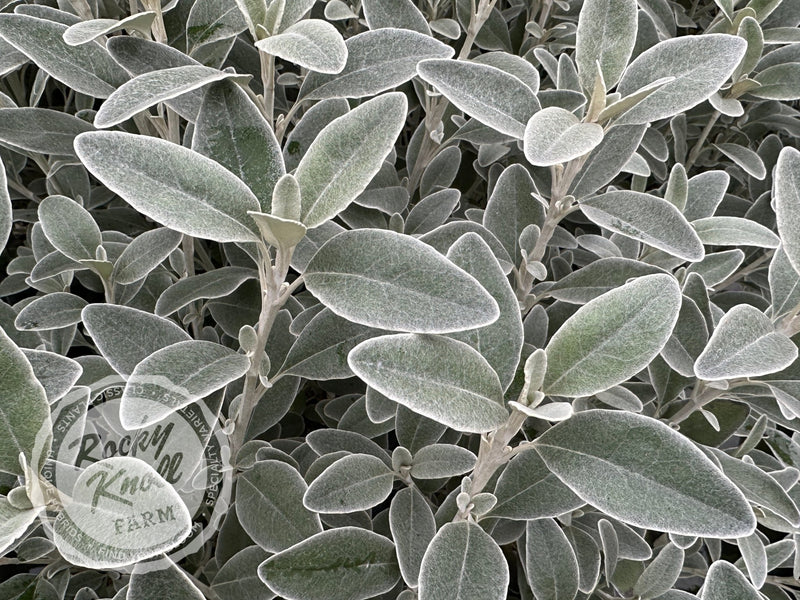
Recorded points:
(400, 299)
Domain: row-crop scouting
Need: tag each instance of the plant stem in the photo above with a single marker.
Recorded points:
(698, 147)
(744, 271)
(273, 297)
(268, 81)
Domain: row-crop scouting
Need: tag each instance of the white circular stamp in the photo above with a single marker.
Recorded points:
(186, 448)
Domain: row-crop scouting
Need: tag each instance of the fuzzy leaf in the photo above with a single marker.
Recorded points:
(442, 460)
(171, 184)
(493, 97)
(176, 376)
(25, 425)
(787, 203)
(87, 31)
(69, 227)
(734, 231)
(313, 44)
(41, 130)
(346, 155)
(606, 33)
(413, 527)
(354, 482)
(161, 577)
(648, 219)
(52, 311)
(13, 522)
(269, 505)
(144, 254)
(623, 464)
(613, 337)
(463, 562)
(358, 274)
(377, 61)
(744, 344)
(700, 64)
(402, 14)
(726, 582)
(550, 563)
(346, 563)
(554, 135)
(437, 377)
(213, 284)
(102, 527)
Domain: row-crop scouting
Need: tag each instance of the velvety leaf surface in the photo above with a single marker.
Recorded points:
(787, 203)
(358, 273)
(52, 311)
(699, 64)
(69, 227)
(550, 563)
(214, 284)
(144, 254)
(744, 344)
(623, 464)
(442, 460)
(493, 97)
(269, 505)
(311, 43)
(176, 376)
(347, 563)
(24, 413)
(734, 231)
(56, 373)
(402, 14)
(161, 578)
(41, 130)
(437, 377)
(463, 562)
(173, 185)
(726, 582)
(238, 577)
(606, 33)
(612, 337)
(346, 155)
(354, 482)
(13, 522)
(554, 135)
(413, 527)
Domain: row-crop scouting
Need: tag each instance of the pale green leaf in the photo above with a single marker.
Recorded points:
(144, 254)
(442, 460)
(171, 184)
(346, 155)
(463, 562)
(744, 344)
(69, 227)
(661, 574)
(232, 131)
(211, 21)
(56, 373)
(41, 130)
(624, 464)
(214, 284)
(613, 337)
(102, 527)
(716, 267)
(787, 203)
(779, 82)
(493, 97)
(726, 582)
(354, 482)
(597, 278)
(238, 577)
(269, 506)
(13, 523)
(527, 489)
(402, 14)
(734, 231)
(347, 563)
(747, 159)
(148, 89)
(554, 135)
(313, 44)
(358, 273)
(52, 311)
(500, 343)
(87, 31)
(700, 64)
(125, 336)
(176, 376)
(25, 426)
(550, 563)
(413, 527)
(6, 213)
(784, 284)
(606, 33)
(437, 377)
(648, 219)
(161, 577)
(377, 61)
(87, 69)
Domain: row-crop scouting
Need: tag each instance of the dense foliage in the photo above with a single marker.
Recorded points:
(400, 299)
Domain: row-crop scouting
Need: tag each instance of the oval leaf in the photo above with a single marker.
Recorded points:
(726, 582)
(744, 344)
(122, 511)
(69, 227)
(613, 337)
(554, 135)
(463, 562)
(171, 184)
(269, 505)
(648, 219)
(700, 65)
(734, 231)
(413, 527)
(442, 460)
(437, 377)
(25, 426)
(493, 97)
(550, 563)
(358, 273)
(787, 203)
(347, 563)
(311, 43)
(41, 130)
(623, 464)
(144, 254)
(346, 155)
(176, 376)
(354, 482)
(606, 34)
